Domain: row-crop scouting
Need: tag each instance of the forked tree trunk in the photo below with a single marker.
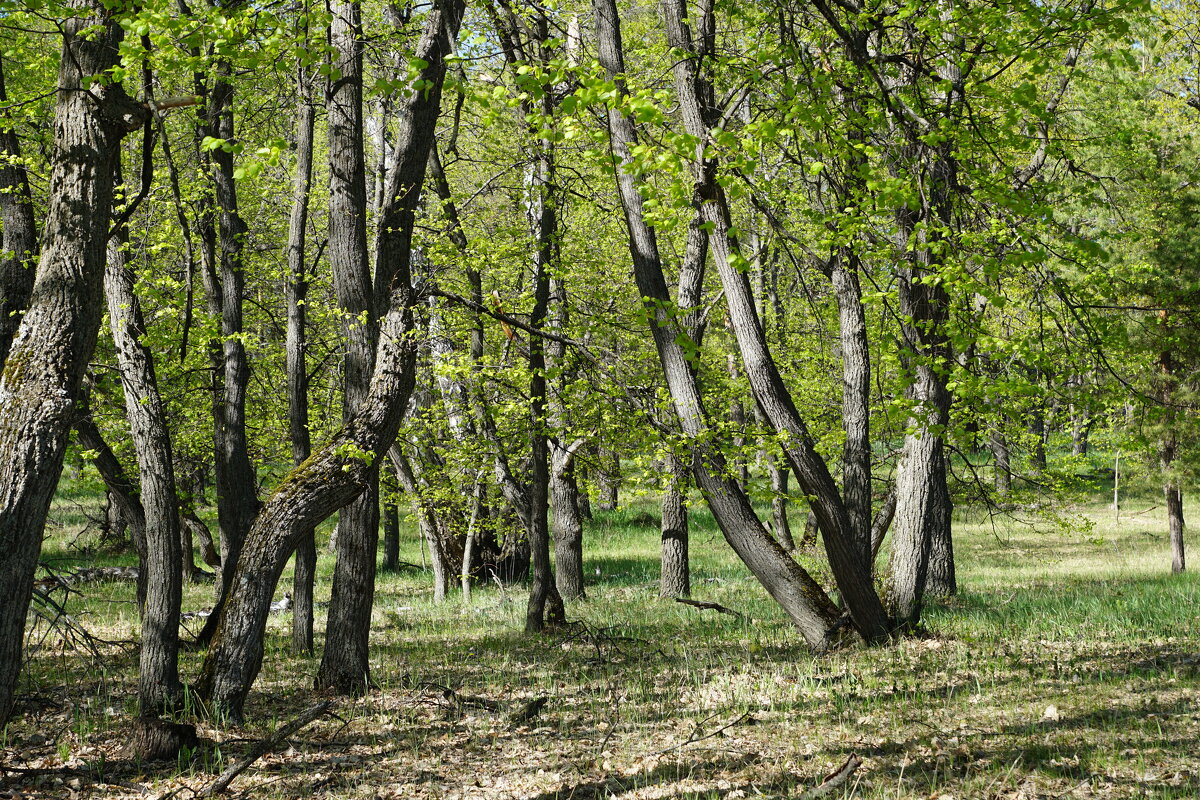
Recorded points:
(675, 579)
(844, 546)
(49, 355)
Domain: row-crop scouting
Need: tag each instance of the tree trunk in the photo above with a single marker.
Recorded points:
(608, 480)
(236, 480)
(675, 579)
(793, 588)
(843, 545)
(305, 564)
(345, 662)
(159, 687)
(568, 527)
(340, 471)
(779, 504)
(46, 363)
(1174, 498)
(391, 522)
(20, 245)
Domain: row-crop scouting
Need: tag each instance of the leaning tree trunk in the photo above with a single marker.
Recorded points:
(159, 687)
(675, 578)
(20, 244)
(344, 467)
(787, 582)
(845, 547)
(45, 367)
(345, 662)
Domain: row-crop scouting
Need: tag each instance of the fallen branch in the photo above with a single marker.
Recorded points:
(263, 747)
(711, 606)
(694, 737)
(834, 779)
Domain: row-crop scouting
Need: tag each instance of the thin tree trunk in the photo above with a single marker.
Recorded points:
(305, 565)
(391, 521)
(46, 364)
(159, 687)
(20, 245)
(779, 504)
(345, 662)
(675, 579)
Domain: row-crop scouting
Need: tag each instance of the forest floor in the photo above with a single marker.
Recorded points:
(1067, 667)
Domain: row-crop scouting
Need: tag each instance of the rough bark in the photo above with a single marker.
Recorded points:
(20, 245)
(844, 545)
(332, 476)
(345, 663)
(222, 233)
(793, 588)
(675, 578)
(49, 355)
(568, 525)
(779, 505)
(159, 687)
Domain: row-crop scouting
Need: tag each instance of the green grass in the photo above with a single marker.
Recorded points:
(1068, 666)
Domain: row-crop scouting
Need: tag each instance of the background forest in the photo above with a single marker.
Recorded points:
(803, 388)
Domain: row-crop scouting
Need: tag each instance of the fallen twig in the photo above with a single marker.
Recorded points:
(693, 738)
(711, 606)
(263, 747)
(834, 779)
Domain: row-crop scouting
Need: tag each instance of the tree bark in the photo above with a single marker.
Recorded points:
(49, 355)
(344, 467)
(779, 504)
(305, 566)
(20, 245)
(675, 579)
(159, 688)
(345, 662)
(224, 279)
(843, 544)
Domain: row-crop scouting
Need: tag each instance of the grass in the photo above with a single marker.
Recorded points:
(1067, 666)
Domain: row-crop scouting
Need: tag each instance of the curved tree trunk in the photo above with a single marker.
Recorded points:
(845, 547)
(45, 367)
(344, 467)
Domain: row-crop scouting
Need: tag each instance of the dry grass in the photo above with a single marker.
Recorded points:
(1069, 666)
